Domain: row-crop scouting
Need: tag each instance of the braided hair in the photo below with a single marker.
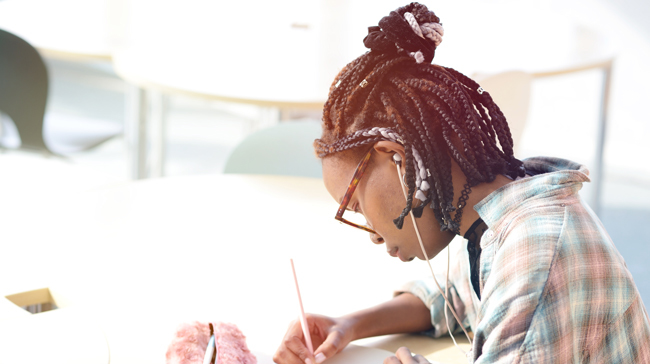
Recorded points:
(393, 92)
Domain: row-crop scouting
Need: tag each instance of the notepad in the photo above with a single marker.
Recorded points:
(352, 354)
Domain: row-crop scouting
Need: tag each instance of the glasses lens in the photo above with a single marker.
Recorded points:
(355, 218)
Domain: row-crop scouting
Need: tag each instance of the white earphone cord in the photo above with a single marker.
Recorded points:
(444, 294)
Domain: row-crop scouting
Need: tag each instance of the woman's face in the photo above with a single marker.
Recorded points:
(379, 197)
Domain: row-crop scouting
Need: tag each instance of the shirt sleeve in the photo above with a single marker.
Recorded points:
(460, 291)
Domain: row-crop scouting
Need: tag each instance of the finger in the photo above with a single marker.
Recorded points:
(285, 356)
(330, 347)
(297, 346)
(392, 360)
(405, 356)
(294, 328)
(420, 359)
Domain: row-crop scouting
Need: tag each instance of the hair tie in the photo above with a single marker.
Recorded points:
(419, 57)
(414, 24)
(433, 31)
(397, 32)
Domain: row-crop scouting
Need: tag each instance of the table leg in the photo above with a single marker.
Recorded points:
(136, 131)
(157, 127)
(2, 116)
(145, 132)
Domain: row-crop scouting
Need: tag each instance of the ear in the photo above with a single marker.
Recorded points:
(386, 150)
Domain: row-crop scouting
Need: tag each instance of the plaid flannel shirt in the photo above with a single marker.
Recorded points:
(554, 289)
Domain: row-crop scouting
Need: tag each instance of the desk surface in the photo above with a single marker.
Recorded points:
(64, 336)
(146, 255)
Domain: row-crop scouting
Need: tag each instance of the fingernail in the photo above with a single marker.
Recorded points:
(308, 361)
(320, 357)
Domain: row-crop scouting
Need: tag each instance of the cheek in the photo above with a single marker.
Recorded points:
(386, 205)
(435, 240)
(384, 202)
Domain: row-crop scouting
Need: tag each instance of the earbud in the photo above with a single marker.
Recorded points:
(397, 158)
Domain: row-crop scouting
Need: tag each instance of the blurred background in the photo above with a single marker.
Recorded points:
(149, 89)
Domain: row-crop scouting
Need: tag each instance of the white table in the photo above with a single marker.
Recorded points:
(141, 257)
(282, 54)
(68, 29)
(285, 54)
(275, 55)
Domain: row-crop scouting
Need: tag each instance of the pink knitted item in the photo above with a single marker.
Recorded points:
(191, 340)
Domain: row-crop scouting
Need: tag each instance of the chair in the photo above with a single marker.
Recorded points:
(596, 173)
(23, 97)
(512, 92)
(283, 149)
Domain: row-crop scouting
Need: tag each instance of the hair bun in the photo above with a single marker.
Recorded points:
(412, 28)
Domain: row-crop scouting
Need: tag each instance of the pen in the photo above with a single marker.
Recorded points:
(209, 351)
(303, 319)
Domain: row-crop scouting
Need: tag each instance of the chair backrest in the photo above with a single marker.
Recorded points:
(511, 92)
(23, 89)
(606, 67)
(283, 149)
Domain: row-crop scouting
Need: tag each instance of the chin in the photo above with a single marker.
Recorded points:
(421, 256)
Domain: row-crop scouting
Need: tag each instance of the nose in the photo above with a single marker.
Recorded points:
(376, 238)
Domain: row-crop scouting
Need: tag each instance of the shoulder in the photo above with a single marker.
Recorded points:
(555, 271)
(520, 250)
(555, 238)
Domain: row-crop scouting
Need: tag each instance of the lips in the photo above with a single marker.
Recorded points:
(395, 253)
(402, 258)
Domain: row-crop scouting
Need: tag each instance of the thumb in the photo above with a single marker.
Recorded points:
(330, 347)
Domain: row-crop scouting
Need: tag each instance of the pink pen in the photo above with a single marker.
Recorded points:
(303, 318)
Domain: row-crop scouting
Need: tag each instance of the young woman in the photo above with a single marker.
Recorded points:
(424, 154)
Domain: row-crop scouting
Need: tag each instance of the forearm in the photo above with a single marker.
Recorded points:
(404, 313)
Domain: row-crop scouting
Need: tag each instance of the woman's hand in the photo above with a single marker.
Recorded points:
(328, 335)
(404, 313)
(404, 356)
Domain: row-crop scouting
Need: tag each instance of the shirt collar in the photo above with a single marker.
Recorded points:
(548, 177)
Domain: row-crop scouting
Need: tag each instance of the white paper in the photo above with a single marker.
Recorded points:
(352, 354)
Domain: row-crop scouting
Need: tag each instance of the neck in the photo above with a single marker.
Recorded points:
(478, 193)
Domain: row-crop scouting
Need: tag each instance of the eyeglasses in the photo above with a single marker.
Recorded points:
(348, 195)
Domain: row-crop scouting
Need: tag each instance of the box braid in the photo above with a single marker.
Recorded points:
(393, 92)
